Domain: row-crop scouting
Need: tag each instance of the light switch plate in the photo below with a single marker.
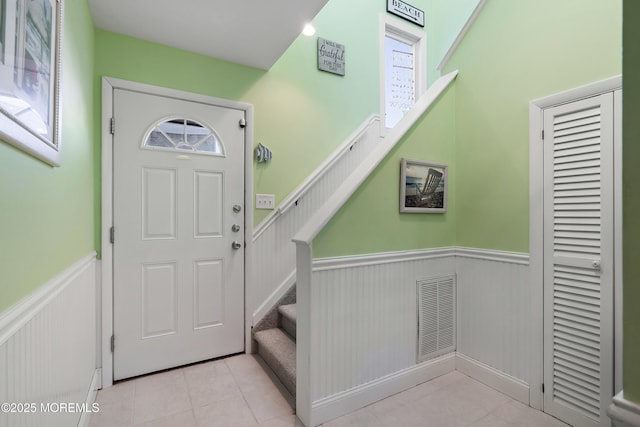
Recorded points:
(265, 201)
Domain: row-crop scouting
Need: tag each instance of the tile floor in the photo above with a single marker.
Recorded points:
(239, 391)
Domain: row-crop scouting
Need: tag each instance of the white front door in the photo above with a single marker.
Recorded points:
(178, 232)
(578, 260)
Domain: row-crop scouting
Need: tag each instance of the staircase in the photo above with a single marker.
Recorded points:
(277, 346)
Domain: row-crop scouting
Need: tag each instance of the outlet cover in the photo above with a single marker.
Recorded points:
(265, 201)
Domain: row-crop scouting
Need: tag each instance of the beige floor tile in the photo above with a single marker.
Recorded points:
(239, 392)
(116, 413)
(160, 395)
(210, 382)
(490, 421)
(233, 412)
(447, 408)
(360, 418)
(183, 419)
(267, 405)
(520, 415)
(422, 390)
(248, 373)
(286, 421)
(122, 391)
(478, 394)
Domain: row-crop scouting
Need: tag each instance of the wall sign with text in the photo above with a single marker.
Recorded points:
(330, 56)
(406, 11)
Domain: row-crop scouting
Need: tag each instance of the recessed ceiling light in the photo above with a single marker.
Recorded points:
(309, 30)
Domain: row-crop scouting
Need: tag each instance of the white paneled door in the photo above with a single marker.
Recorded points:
(178, 232)
(578, 260)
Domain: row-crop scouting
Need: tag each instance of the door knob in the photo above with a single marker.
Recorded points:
(235, 228)
(236, 245)
(596, 265)
(237, 208)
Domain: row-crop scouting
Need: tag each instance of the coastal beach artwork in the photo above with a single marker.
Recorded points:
(423, 187)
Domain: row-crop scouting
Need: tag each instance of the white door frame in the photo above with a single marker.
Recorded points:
(105, 305)
(536, 215)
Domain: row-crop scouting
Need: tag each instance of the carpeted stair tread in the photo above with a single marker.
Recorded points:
(288, 319)
(279, 352)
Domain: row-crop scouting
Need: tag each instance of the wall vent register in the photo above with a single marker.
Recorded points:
(436, 317)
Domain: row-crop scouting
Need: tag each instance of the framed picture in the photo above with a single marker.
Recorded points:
(423, 187)
(30, 32)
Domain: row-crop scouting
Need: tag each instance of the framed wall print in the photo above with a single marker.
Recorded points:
(30, 32)
(423, 187)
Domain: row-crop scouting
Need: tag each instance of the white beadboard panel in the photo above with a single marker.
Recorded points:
(48, 347)
(364, 321)
(494, 310)
(274, 259)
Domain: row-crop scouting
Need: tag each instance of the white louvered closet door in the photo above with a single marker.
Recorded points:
(578, 260)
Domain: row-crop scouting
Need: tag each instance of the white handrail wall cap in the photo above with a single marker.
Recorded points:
(461, 35)
(346, 190)
(306, 185)
(333, 158)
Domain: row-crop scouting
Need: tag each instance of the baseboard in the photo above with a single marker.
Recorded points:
(623, 412)
(85, 418)
(506, 384)
(358, 397)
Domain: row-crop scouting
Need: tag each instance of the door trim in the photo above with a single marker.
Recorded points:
(105, 304)
(536, 215)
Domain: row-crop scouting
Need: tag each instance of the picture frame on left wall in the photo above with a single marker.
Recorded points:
(30, 59)
(423, 187)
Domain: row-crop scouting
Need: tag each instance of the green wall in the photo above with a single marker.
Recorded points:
(301, 114)
(514, 53)
(631, 201)
(449, 18)
(488, 146)
(47, 214)
(371, 222)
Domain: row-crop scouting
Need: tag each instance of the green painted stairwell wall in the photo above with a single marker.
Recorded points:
(515, 52)
(48, 215)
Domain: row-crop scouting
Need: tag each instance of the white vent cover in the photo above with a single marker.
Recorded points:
(436, 317)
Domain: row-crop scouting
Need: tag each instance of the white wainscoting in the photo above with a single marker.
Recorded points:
(363, 325)
(623, 412)
(494, 311)
(48, 349)
(274, 254)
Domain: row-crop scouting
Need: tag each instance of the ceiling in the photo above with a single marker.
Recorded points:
(249, 32)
